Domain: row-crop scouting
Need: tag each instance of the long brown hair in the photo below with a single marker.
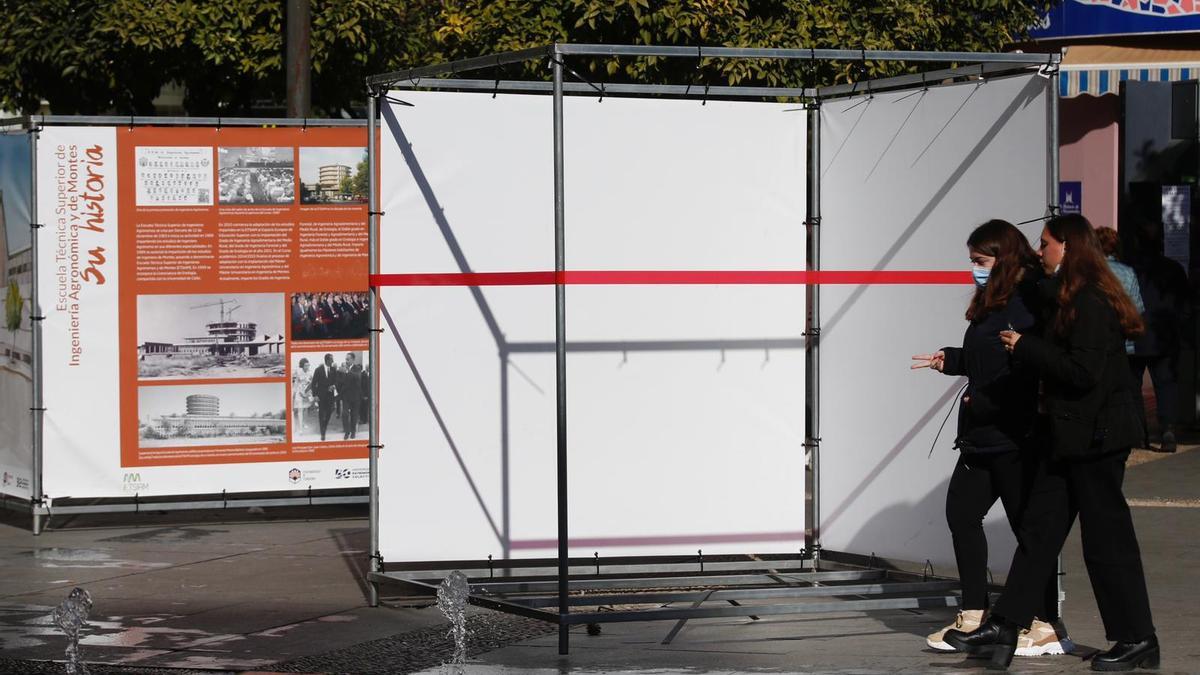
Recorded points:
(1004, 242)
(1083, 264)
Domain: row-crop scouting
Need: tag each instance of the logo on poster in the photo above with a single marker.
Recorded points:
(132, 482)
(8, 477)
(294, 476)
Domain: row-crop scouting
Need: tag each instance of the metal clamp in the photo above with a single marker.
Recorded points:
(36, 226)
(375, 447)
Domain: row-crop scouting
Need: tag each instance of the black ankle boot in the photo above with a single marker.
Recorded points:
(996, 638)
(1129, 655)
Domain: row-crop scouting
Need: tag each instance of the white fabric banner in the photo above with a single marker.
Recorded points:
(905, 178)
(77, 289)
(685, 403)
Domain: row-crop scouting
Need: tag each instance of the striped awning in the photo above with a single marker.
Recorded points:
(1096, 70)
(1100, 81)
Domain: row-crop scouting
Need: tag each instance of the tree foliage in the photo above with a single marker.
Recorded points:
(93, 56)
(475, 27)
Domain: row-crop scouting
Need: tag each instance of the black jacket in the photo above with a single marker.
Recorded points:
(999, 406)
(1087, 388)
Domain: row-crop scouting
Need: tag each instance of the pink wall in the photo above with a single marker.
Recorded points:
(1088, 152)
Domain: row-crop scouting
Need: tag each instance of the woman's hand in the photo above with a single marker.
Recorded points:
(1009, 338)
(936, 361)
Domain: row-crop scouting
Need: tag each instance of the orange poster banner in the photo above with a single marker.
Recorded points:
(243, 295)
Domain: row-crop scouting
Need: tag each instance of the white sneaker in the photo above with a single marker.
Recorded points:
(1042, 640)
(966, 621)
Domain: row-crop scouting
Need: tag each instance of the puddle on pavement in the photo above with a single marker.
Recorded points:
(86, 558)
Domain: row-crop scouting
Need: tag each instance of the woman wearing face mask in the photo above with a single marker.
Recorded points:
(995, 423)
(1090, 425)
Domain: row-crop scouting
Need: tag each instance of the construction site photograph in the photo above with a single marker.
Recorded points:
(234, 335)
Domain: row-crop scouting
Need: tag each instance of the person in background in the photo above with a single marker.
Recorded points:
(301, 396)
(323, 387)
(1086, 435)
(1165, 293)
(350, 390)
(1110, 243)
(995, 425)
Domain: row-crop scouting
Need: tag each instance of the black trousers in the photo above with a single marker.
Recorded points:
(324, 412)
(979, 479)
(349, 419)
(1090, 489)
(1162, 375)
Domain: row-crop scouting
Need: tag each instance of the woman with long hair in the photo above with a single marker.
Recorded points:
(995, 423)
(1090, 424)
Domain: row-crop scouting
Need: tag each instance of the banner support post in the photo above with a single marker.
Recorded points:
(38, 411)
(560, 354)
(373, 346)
(1052, 83)
(812, 343)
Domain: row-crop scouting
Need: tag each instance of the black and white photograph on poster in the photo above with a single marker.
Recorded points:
(220, 414)
(331, 396)
(256, 175)
(333, 175)
(174, 176)
(210, 336)
(330, 315)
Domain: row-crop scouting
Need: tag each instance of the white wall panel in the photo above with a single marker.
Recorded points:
(675, 444)
(905, 178)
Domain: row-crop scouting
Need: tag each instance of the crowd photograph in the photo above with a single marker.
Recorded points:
(256, 175)
(331, 396)
(330, 315)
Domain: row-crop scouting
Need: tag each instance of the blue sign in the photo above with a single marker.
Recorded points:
(1085, 18)
(1070, 196)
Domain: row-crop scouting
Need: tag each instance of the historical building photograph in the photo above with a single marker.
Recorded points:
(225, 414)
(333, 175)
(210, 336)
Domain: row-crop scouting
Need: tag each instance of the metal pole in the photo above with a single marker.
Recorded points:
(299, 58)
(812, 350)
(35, 310)
(373, 267)
(1053, 83)
(560, 354)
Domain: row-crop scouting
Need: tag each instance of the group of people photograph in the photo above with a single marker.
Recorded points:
(330, 397)
(1047, 418)
(256, 186)
(330, 315)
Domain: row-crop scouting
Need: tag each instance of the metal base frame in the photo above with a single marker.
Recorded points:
(648, 588)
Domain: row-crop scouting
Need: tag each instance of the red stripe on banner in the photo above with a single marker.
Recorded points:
(680, 277)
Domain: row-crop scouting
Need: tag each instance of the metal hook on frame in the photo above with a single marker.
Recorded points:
(699, 58)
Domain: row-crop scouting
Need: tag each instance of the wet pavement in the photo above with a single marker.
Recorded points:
(222, 592)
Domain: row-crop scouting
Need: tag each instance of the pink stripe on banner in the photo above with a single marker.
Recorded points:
(663, 540)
